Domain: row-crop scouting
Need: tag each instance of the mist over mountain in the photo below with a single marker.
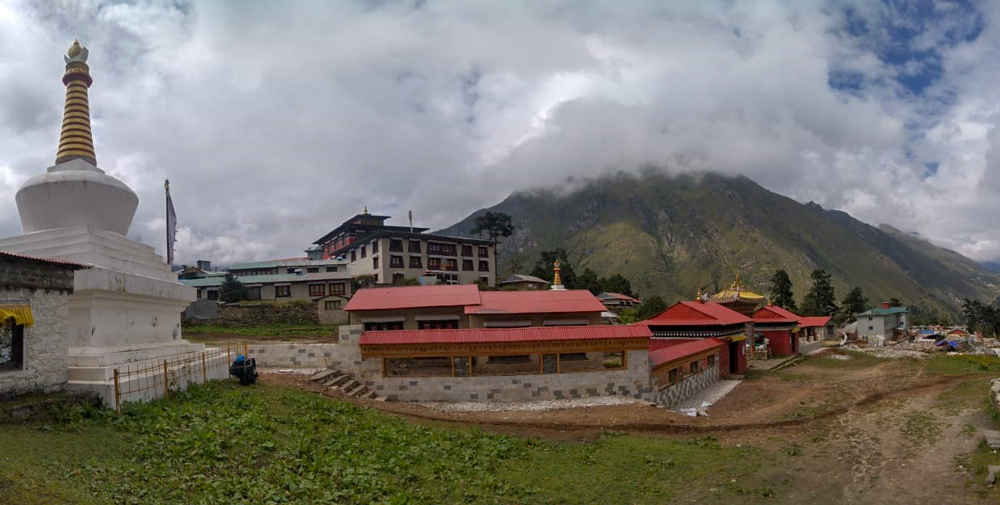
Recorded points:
(671, 235)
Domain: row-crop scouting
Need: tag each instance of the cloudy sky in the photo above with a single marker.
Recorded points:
(275, 121)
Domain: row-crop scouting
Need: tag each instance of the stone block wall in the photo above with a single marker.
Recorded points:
(258, 314)
(670, 396)
(633, 383)
(46, 343)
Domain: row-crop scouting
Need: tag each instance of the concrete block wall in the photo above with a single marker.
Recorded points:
(46, 344)
(670, 396)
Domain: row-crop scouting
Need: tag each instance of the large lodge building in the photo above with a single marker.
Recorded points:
(393, 254)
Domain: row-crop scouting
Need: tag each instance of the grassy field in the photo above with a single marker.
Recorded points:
(216, 332)
(269, 444)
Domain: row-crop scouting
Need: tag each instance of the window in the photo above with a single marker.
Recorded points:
(451, 264)
(442, 249)
(396, 245)
(673, 375)
(711, 361)
(312, 270)
(375, 262)
(484, 266)
(363, 253)
(396, 261)
(434, 263)
(573, 356)
(213, 294)
(521, 358)
(282, 291)
(332, 305)
(467, 265)
(375, 247)
(394, 325)
(331, 269)
(414, 246)
(289, 270)
(317, 290)
(466, 250)
(337, 288)
(695, 366)
(354, 256)
(483, 252)
(398, 278)
(253, 293)
(199, 294)
(438, 325)
(415, 262)
(11, 345)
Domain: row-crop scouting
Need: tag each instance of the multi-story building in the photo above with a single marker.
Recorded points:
(395, 254)
(283, 280)
(886, 322)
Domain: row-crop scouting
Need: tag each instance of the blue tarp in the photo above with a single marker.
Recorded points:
(954, 344)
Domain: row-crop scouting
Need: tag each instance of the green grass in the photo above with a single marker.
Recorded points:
(269, 444)
(264, 331)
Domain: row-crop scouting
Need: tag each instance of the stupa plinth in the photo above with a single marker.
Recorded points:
(126, 308)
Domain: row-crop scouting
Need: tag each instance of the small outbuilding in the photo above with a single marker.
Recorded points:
(34, 331)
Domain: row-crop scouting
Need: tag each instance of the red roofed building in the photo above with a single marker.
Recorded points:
(687, 321)
(816, 328)
(464, 306)
(779, 327)
(617, 301)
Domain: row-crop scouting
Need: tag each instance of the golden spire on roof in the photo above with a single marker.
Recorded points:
(366, 210)
(557, 276)
(75, 138)
(697, 297)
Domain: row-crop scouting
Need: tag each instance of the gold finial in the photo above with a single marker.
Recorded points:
(557, 277)
(75, 138)
(366, 210)
(698, 296)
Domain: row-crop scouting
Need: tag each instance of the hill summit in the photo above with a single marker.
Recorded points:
(671, 235)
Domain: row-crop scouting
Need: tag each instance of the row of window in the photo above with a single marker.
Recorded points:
(254, 293)
(448, 264)
(440, 249)
(274, 271)
(693, 367)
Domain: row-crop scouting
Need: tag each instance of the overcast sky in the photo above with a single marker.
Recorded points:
(276, 121)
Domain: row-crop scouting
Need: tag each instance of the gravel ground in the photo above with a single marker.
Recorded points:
(529, 406)
(296, 371)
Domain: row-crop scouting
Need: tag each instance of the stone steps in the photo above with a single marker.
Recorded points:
(349, 386)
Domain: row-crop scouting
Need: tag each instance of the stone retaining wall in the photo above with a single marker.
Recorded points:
(686, 388)
(259, 314)
(633, 382)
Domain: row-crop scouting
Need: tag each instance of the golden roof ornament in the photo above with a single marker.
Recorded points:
(556, 277)
(75, 139)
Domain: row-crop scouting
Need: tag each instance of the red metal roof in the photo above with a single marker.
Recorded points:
(487, 335)
(775, 314)
(536, 302)
(958, 331)
(814, 321)
(623, 297)
(413, 297)
(685, 313)
(679, 351)
(75, 266)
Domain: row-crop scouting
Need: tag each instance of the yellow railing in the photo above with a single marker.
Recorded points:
(155, 378)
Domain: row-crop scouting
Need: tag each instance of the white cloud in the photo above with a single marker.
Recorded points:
(275, 121)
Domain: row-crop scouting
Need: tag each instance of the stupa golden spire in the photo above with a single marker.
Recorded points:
(557, 275)
(75, 139)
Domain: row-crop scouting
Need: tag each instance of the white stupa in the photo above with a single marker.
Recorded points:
(127, 307)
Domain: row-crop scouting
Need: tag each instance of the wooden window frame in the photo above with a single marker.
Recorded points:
(278, 290)
(320, 292)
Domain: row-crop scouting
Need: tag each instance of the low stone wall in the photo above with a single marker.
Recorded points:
(688, 386)
(995, 395)
(304, 356)
(259, 314)
(633, 382)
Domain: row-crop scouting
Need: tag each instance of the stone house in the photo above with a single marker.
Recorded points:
(885, 322)
(34, 330)
(522, 282)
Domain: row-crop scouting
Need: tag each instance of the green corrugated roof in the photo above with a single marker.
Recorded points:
(253, 279)
(884, 312)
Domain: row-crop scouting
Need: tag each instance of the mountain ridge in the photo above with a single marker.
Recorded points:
(672, 235)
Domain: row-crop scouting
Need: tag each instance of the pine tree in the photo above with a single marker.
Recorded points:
(854, 303)
(781, 291)
(821, 299)
(232, 290)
